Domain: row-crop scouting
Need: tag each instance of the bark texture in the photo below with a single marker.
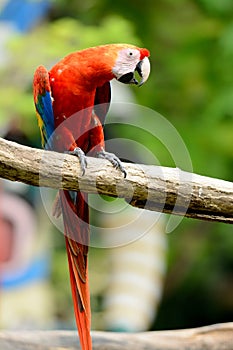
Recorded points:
(157, 188)
(215, 337)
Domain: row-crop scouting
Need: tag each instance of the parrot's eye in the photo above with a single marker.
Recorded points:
(130, 53)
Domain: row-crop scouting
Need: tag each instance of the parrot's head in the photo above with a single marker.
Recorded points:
(129, 60)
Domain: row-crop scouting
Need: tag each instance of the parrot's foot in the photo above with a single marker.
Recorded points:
(81, 156)
(112, 158)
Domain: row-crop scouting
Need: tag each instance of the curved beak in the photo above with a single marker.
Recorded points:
(142, 68)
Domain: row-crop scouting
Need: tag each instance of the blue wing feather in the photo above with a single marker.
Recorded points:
(44, 106)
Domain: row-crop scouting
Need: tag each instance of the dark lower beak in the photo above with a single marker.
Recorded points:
(128, 78)
(139, 68)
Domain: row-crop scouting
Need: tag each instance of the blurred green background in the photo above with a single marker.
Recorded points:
(191, 84)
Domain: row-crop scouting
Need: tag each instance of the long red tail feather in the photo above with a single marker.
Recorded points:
(76, 225)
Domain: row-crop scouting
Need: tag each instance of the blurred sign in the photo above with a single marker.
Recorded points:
(24, 14)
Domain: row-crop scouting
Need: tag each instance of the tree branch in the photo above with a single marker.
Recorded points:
(215, 337)
(162, 189)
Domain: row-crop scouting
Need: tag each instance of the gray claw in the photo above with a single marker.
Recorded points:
(78, 152)
(112, 158)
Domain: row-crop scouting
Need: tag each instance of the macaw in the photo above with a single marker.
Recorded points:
(71, 101)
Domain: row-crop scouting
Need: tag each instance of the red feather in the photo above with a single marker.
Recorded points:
(67, 97)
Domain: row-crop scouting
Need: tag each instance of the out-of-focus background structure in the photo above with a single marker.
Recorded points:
(191, 84)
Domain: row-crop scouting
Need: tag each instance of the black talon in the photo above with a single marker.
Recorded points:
(78, 152)
(112, 158)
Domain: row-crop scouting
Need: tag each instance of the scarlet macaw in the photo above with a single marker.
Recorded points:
(71, 102)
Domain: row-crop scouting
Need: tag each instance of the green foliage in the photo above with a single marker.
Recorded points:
(217, 8)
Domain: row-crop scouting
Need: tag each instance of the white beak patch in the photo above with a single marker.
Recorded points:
(145, 70)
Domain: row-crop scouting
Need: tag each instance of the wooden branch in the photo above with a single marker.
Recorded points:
(215, 337)
(162, 189)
